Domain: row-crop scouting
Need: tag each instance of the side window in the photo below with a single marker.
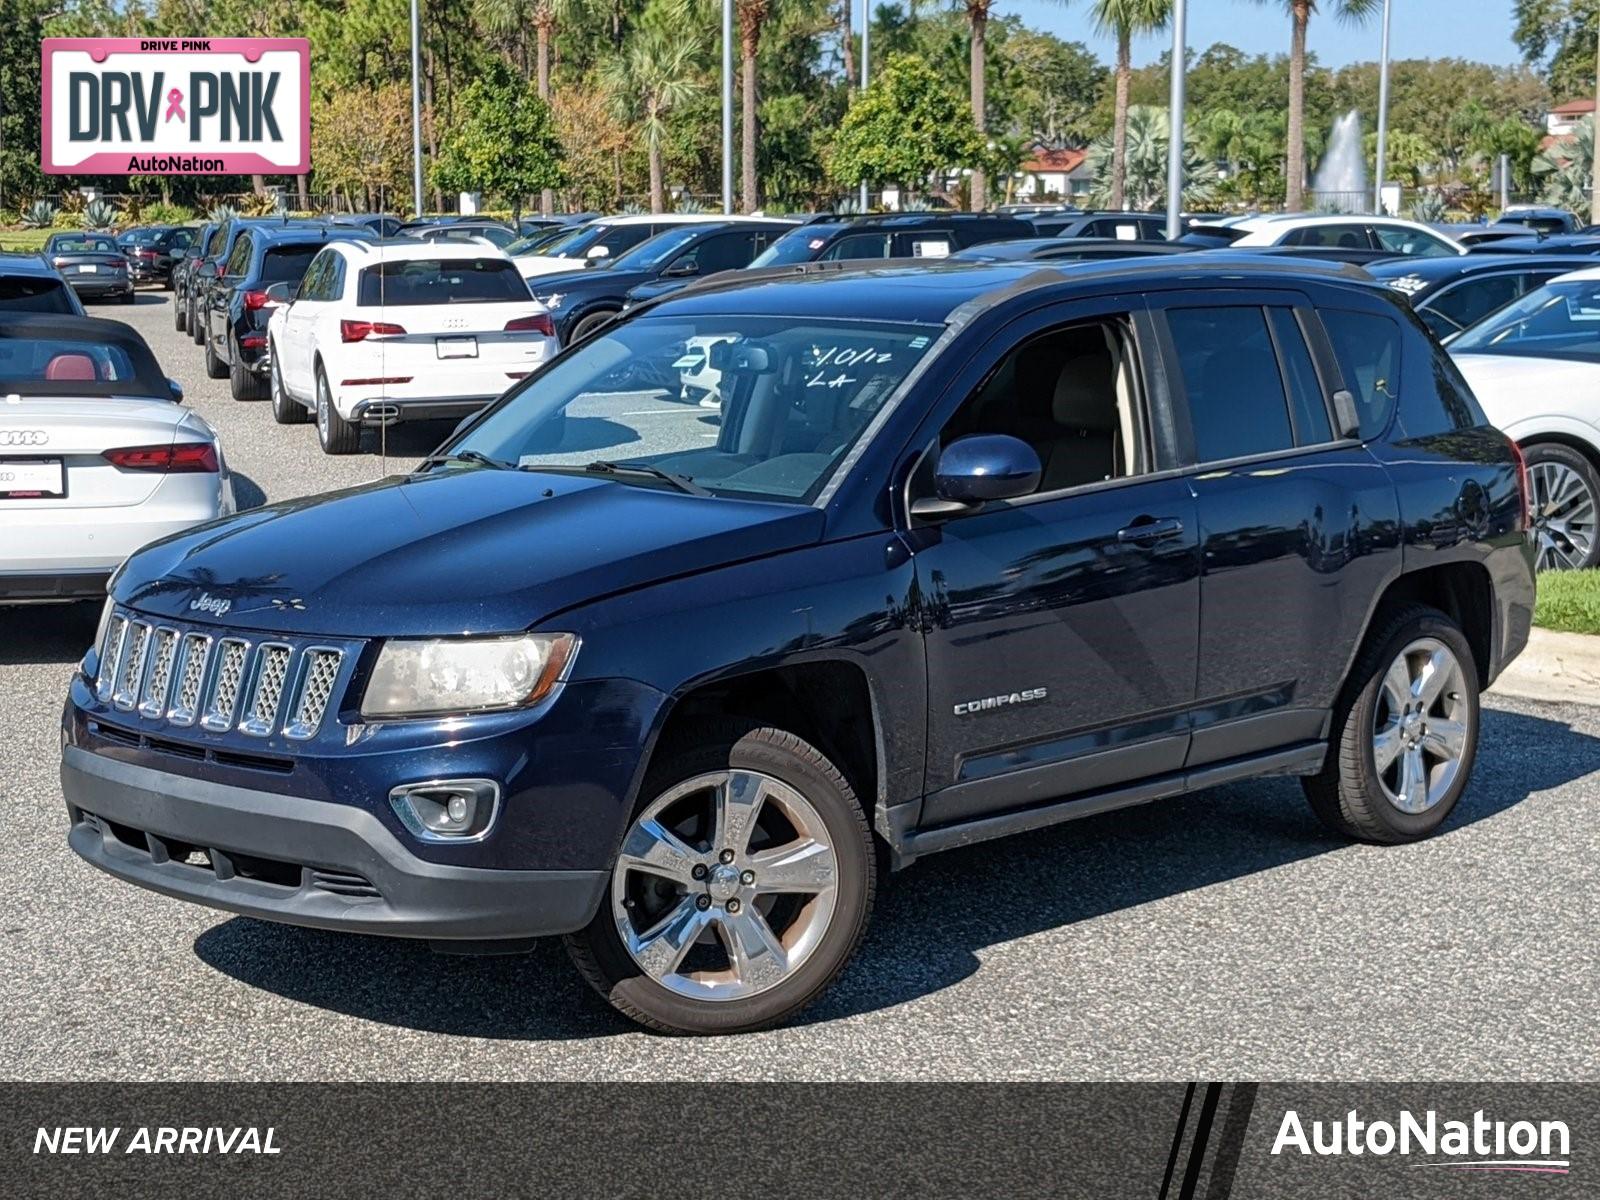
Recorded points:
(1473, 299)
(1342, 237)
(1412, 242)
(857, 245)
(1308, 410)
(334, 287)
(311, 288)
(240, 258)
(1230, 376)
(924, 243)
(1071, 394)
(624, 237)
(724, 252)
(1368, 349)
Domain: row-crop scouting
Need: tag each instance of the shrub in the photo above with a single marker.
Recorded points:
(99, 215)
(38, 215)
(67, 220)
(166, 214)
(222, 212)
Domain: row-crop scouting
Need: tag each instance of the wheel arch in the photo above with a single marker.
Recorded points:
(1463, 590)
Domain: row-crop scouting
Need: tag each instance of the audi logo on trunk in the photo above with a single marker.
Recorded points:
(23, 437)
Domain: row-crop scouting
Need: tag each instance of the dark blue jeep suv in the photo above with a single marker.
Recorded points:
(955, 552)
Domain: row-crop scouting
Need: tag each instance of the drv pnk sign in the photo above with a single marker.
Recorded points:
(177, 106)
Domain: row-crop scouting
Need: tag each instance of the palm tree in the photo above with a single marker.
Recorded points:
(1123, 19)
(978, 23)
(1145, 164)
(753, 15)
(1354, 11)
(656, 74)
(511, 18)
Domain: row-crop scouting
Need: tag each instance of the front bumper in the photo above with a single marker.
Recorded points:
(301, 862)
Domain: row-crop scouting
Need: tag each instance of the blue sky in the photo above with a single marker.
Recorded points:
(1420, 29)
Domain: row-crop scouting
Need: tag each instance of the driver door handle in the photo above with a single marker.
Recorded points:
(1149, 530)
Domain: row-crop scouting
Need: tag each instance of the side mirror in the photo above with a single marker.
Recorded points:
(282, 293)
(679, 270)
(596, 252)
(176, 390)
(974, 470)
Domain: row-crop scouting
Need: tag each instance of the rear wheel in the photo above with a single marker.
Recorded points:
(1405, 732)
(286, 410)
(196, 333)
(337, 435)
(243, 383)
(1564, 502)
(741, 889)
(590, 323)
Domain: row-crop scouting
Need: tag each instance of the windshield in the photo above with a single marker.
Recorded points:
(576, 242)
(654, 251)
(762, 407)
(1559, 320)
(535, 242)
(802, 245)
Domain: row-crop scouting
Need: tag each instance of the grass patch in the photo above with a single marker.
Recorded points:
(1569, 601)
(24, 239)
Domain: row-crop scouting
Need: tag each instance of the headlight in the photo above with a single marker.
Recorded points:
(456, 675)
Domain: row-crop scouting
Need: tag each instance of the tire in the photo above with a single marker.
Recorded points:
(589, 323)
(337, 435)
(1351, 794)
(128, 297)
(802, 796)
(215, 367)
(196, 332)
(286, 410)
(1564, 501)
(180, 315)
(244, 384)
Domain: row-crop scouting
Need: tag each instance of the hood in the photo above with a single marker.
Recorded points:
(533, 265)
(465, 550)
(1513, 388)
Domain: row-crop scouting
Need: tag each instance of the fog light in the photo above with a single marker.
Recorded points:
(447, 810)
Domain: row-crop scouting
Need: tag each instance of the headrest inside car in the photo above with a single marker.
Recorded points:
(70, 367)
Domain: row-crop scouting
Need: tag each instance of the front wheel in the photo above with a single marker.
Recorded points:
(741, 889)
(215, 367)
(1564, 504)
(1405, 732)
(180, 314)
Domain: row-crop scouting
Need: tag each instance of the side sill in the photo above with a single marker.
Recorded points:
(1303, 759)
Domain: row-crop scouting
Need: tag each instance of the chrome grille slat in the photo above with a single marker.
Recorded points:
(159, 678)
(219, 680)
(191, 674)
(226, 680)
(318, 672)
(116, 630)
(130, 670)
(271, 675)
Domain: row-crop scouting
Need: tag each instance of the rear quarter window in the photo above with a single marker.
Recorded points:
(1368, 347)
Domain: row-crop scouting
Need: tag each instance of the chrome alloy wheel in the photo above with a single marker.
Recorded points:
(725, 885)
(1420, 729)
(1564, 511)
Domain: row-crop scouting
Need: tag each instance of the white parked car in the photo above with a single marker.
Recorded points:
(382, 332)
(1397, 236)
(598, 241)
(98, 456)
(1534, 366)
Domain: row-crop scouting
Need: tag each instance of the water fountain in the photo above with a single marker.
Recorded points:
(1340, 184)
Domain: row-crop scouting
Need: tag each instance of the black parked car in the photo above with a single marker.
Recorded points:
(207, 270)
(1054, 249)
(1450, 294)
(379, 224)
(92, 263)
(967, 551)
(266, 262)
(498, 233)
(30, 285)
(1120, 226)
(1556, 243)
(829, 238)
(182, 266)
(152, 251)
(584, 299)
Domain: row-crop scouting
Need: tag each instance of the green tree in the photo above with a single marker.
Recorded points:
(977, 68)
(907, 125)
(23, 21)
(504, 145)
(1566, 169)
(655, 74)
(1560, 35)
(1122, 19)
(1300, 17)
(1145, 177)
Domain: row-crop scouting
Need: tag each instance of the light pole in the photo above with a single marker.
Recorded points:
(866, 30)
(416, 108)
(1383, 114)
(1175, 111)
(727, 106)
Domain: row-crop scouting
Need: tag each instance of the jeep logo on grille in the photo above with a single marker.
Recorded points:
(23, 437)
(206, 602)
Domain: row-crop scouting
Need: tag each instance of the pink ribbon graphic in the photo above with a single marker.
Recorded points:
(175, 105)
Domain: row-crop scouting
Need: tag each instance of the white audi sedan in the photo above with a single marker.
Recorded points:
(402, 330)
(98, 456)
(1534, 366)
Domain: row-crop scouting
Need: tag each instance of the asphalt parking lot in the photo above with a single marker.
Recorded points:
(1221, 936)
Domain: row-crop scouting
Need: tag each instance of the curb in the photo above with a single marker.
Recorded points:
(1556, 668)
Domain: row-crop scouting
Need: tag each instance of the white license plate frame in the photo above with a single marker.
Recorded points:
(456, 347)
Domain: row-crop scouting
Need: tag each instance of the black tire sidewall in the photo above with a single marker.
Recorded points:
(762, 750)
(1404, 826)
(1538, 452)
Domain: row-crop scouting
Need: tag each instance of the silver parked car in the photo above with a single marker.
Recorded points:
(98, 456)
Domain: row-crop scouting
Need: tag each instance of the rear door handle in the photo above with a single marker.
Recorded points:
(1147, 530)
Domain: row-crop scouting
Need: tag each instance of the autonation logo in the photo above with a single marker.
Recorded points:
(1481, 1144)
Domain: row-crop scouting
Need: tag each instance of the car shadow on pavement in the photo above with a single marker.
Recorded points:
(47, 633)
(931, 921)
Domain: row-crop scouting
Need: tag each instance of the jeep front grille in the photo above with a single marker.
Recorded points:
(184, 677)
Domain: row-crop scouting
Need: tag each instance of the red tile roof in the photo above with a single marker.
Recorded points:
(1574, 108)
(1054, 160)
